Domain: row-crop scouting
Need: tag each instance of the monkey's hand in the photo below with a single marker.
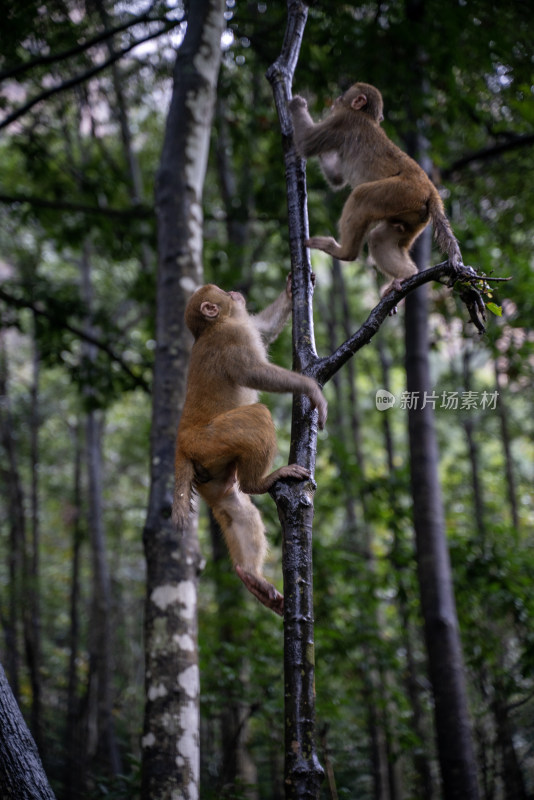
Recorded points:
(297, 102)
(319, 402)
(262, 590)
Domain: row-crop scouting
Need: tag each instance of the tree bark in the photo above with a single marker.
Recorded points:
(21, 772)
(445, 661)
(170, 743)
(303, 772)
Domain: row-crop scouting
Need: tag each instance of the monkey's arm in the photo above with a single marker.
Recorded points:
(272, 319)
(312, 139)
(265, 377)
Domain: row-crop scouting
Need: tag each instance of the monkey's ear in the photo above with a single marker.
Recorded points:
(209, 310)
(359, 102)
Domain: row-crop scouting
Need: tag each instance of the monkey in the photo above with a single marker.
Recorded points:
(392, 198)
(226, 440)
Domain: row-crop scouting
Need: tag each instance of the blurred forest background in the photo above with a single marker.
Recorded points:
(84, 92)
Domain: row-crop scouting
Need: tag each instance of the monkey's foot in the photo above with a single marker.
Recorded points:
(292, 471)
(329, 245)
(394, 286)
(262, 590)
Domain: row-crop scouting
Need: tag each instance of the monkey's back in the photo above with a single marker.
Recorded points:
(368, 154)
(218, 359)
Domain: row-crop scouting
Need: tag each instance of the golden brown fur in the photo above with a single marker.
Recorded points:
(392, 198)
(226, 440)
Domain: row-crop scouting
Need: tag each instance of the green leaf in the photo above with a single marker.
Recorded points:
(495, 309)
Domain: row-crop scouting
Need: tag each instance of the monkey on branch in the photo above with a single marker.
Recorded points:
(392, 198)
(226, 440)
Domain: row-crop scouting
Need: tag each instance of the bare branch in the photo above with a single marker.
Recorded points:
(84, 76)
(463, 279)
(82, 47)
(487, 153)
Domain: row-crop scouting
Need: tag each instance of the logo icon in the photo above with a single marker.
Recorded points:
(384, 400)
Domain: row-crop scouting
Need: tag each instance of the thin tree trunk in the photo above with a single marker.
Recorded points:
(32, 624)
(512, 777)
(473, 451)
(303, 772)
(455, 748)
(103, 742)
(22, 776)
(75, 767)
(170, 744)
(421, 762)
(17, 524)
(503, 413)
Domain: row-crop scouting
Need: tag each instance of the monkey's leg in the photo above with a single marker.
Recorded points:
(388, 248)
(246, 437)
(370, 203)
(264, 591)
(244, 534)
(352, 230)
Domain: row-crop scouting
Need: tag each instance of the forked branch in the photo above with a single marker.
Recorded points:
(464, 280)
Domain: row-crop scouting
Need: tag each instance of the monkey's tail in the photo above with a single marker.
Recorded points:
(445, 238)
(183, 482)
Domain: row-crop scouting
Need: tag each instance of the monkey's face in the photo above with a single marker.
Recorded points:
(210, 304)
(238, 299)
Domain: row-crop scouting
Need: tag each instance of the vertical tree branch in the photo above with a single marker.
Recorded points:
(303, 773)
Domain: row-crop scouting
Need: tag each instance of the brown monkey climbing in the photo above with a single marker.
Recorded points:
(392, 198)
(226, 440)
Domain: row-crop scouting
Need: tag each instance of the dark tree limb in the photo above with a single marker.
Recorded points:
(514, 142)
(303, 772)
(464, 280)
(54, 58)
(84, 76)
